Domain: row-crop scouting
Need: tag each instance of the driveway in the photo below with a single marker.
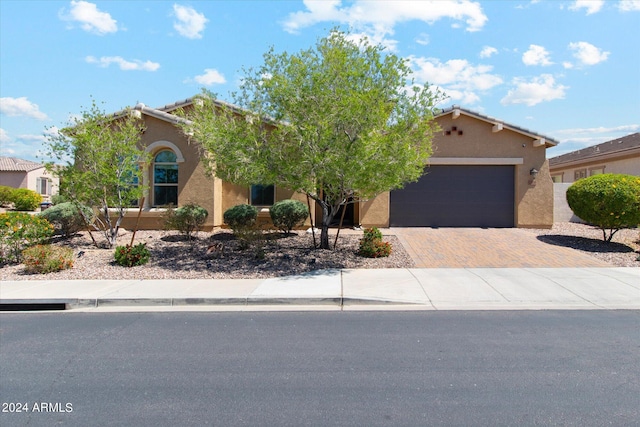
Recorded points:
(492, 247)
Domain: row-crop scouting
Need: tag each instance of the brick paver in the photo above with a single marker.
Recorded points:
(492, 247)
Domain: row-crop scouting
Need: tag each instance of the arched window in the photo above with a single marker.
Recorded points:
(165, 178)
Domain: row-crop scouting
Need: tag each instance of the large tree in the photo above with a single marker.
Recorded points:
(99, 163)
(341, 122)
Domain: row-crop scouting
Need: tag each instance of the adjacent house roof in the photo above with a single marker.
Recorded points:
(614, 148)
(498, 125)
(13, 164)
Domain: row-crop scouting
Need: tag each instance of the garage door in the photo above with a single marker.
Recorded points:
(456, 196)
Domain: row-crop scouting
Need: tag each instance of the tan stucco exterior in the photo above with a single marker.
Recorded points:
(474, 141)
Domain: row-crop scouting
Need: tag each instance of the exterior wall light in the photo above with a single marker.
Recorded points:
(533, 172)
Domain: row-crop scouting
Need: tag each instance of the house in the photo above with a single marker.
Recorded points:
(621, 155)
(483, 173)
(19, 173)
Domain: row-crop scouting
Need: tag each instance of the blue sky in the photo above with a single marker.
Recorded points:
(566, 69)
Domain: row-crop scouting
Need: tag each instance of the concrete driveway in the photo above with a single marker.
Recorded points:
(492, 247)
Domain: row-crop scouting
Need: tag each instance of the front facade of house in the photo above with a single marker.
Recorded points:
(483, 173)
(621, 155)
(20, 173)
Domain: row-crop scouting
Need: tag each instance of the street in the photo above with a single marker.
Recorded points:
(452, 368)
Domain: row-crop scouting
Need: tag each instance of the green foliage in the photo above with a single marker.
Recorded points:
(608, 201)
(44, 259)
(242, 220)
(372, 246)
(58, 199)
(131, 256)
(287, 214)
(100, 162)
(335, 122)
(19, 230)
(66, 218)
(187, 219)
(25, 200)
(6, 195)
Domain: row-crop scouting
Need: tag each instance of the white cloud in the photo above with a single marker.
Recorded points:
(90, 18)
(14, 107)
(592, 6)
(624, 129)
(4, 136)
(459, 79)
(135, 65)
(378, 18)
(190, 23)
(536, 55)
(210, 77)
(587, 53)
(539, 89)
(629, 6)
(423, 39)
(488, 51)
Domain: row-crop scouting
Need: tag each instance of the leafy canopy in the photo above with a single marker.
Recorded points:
(99, 165)
(341, 122)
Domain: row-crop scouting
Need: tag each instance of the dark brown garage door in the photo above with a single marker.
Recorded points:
(456, 196)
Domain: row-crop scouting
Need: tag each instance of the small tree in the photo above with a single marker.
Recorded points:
(187, 219)
(608, 201)
(100, 165)
(341, 123)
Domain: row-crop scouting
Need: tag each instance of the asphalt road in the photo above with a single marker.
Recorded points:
(569, 368)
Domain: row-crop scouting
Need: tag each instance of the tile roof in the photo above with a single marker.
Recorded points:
(13, 164)
(549, 142)
(613, 147)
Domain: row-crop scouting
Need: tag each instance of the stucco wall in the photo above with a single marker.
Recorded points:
(478, 143)
(626, 165)
(30, 180)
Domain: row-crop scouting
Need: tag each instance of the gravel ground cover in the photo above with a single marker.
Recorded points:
(622, 251)
(173, 257)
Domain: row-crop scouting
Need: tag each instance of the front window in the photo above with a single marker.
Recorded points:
(44, 186)
(263, 195)
(596, 171)
(165, 179)
(579, 174)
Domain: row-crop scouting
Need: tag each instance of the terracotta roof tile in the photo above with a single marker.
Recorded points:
(13, 164)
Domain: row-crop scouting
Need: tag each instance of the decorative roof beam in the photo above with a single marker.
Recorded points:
(496, 128)
(540, 142)
(456, 113)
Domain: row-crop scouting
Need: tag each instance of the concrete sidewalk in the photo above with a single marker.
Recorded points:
(405, 289)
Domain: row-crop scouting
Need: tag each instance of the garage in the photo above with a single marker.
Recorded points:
(456, 196)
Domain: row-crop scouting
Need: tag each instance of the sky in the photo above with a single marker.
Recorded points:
(569, 70)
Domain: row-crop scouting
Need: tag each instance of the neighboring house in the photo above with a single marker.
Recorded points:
(19, 173)
(621, 155)
(483, 173)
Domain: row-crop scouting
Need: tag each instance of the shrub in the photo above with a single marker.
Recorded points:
(186, 219)
(130, 256)
(372, 246)
(608, 201)
(58, 199)
(47, 259)
(242, 220)
(287, 214)
(25, 199)
(65, 218)
(6, 195)
(18, 231)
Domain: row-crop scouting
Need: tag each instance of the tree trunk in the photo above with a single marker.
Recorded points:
(327, 217)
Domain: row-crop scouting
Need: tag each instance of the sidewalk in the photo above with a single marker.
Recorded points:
(397, 289)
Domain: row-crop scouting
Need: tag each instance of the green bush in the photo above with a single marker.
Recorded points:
(287, 214)
(25, 199)
(608, 201)
(58, 199)
(186, 219)
(372, 246)
(18, 231)
(44, 259)
(65, 218)
(6, 195)
(130, 256)
(242, 220)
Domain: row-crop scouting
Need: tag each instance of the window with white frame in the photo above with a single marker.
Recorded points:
(579, 174)
(596, 171)
(165, 179)
(44, 186)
